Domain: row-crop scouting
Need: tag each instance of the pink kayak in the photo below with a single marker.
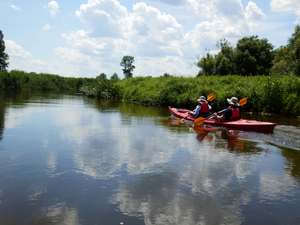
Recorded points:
(241, 124)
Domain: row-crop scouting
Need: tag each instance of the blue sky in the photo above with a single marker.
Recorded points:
(83, 38)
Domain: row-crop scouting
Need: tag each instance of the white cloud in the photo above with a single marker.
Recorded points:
(15, 7)
(176, 32)
(105, 18)
(154, 33)
(253, 13)
(72, 56)
(53, 7)
(48, 27)
(286, 6)
(16, 51)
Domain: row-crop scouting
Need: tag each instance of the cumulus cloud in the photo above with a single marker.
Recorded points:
(286, 6)
(253, 13)
(105, 18)
(15, 7)
(72, 56)
(16, 51)
(53, 7)
(147, 32)
(144, 32)
(160, 30)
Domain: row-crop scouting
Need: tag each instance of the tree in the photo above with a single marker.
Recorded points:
(101, 76)
(294, 46)
(207, 64)
(224, 59)
(167, 75)
(287, 58)
(253, 56)
(3, 56)
(127, 63)
(114, 76)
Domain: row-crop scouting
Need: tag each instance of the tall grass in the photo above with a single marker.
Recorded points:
(268, 94)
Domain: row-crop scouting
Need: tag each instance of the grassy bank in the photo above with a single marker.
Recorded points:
(20, 80)
(267, 94)
(278, 95)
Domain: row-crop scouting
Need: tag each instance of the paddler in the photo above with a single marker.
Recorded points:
(202, 109)
(232, 112)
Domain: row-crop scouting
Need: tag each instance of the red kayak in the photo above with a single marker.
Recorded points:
(241, 124)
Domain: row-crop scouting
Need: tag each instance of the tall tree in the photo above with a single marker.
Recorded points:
(127, 63)
(294, 45)
(253, 56)
(287, 58)
(223, 60)
(3, 56)
(207, 64)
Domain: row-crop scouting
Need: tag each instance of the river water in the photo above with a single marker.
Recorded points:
(69, 159)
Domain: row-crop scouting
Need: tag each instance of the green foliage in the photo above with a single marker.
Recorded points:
(114, 77)
(207, 63)
(224, 59)
(103, 88)
(252, 56)
(101, 76)
(268, 94)
(127, 63)
(3, 56)
(17, 80)
(287, 58)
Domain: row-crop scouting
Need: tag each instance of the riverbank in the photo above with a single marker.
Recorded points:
(266, 94)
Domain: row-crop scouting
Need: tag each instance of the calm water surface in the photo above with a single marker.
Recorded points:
(68, 159)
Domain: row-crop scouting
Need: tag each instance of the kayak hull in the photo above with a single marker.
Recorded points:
(241, 124)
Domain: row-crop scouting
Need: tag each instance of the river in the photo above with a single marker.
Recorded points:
(70, 159)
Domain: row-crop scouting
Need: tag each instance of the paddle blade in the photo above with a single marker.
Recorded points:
(243, 101)
(199, 121)
(211, 97)
(180, 120)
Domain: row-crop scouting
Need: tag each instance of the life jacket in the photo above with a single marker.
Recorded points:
(204, 107)
(235, 112)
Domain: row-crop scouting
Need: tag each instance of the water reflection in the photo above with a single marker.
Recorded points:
(76, 160)
(59, 213)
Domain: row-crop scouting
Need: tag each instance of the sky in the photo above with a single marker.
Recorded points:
(84, 38)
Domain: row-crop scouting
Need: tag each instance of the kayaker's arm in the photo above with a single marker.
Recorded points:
(219, 118)
(196, 111)
(224, 115)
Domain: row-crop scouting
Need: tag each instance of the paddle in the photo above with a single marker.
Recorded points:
(200, 120)
(210, 98)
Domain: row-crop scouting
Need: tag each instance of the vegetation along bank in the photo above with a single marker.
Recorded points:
(268, 94)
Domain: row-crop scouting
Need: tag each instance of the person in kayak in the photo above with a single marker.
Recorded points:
(232, 112)
(202, 109)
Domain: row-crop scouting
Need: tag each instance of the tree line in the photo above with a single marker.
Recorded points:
(253, 56)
